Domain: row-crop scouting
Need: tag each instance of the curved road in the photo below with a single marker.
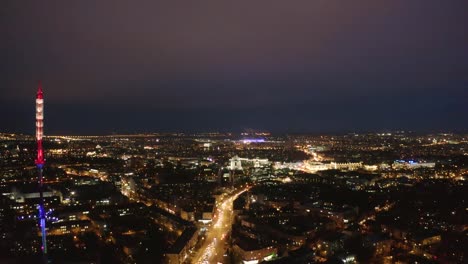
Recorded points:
(214, 245)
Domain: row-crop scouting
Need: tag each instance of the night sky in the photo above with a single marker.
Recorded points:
(315, 66)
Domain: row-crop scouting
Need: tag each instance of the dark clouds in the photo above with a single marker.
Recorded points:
(198, 65)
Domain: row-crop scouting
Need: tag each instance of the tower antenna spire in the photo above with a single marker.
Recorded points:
(40, 165)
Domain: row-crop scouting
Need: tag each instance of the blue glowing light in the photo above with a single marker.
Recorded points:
(253, 140)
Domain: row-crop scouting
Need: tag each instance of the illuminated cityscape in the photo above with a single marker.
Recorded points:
(230, 132)
(225, 198)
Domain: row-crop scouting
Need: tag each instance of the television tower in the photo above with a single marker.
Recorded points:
(40, 165)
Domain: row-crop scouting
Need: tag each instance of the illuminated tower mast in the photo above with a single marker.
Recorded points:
(40, 163)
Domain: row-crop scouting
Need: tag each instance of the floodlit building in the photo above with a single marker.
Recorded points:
(237, 163)
(253, 255)
(402, 164)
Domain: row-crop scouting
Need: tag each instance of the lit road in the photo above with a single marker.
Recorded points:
(214, 245)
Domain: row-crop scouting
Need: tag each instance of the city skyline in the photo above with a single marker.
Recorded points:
(269, 131)
(219, 198)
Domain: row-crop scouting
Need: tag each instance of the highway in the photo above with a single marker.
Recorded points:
(214, 244)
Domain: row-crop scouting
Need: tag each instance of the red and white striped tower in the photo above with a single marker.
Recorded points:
(40, 165)
(39, 124)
